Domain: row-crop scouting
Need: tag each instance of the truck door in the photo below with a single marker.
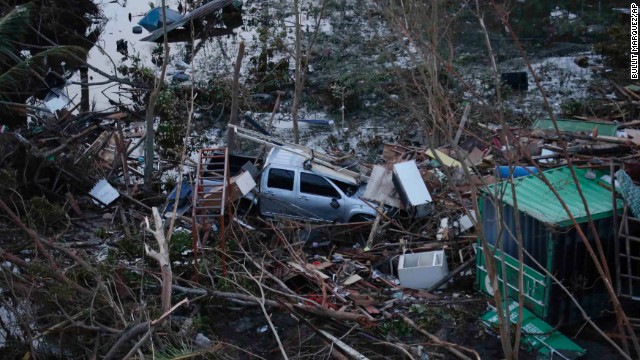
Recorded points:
(277, 193)
(319, 198)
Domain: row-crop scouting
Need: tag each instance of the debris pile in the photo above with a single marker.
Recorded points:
(389, 246)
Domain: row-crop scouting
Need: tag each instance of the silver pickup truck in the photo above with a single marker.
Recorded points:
(291, 186)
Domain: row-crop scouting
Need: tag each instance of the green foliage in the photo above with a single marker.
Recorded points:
(169, 183)
(567, 28)
(571, 108)
(42, 213)
(615, 49)
(396, 328)
(8, 178)
(181, 241)
(16, 68)
(131, 248)
(14, 77)
(201, 322)
(13, 27)
(266, 75)
(431, 318)
(101, 233)
(179, 352)
(172, 109)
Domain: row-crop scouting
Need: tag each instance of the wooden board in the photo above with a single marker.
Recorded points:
(380, 187)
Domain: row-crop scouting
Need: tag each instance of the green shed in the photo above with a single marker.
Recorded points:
(551, 240)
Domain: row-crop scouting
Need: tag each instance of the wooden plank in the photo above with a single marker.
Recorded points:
(463, 122)
(380, 188)
(634, 134)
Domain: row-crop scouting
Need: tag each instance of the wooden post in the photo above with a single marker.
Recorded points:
(84, 89)
(233, 119)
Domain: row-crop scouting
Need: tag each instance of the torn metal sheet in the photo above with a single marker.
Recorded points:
(603, 128)
(104, 192)
(295, 155)
(56, 100)
(464, 223)
(412, 189)
(537, 335)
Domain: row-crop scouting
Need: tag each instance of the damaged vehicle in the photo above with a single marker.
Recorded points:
(289, 185)
(293, 186)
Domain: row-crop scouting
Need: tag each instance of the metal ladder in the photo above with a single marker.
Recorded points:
(209, 197)
(629, 257)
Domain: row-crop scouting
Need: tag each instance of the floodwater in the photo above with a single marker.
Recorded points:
(104, 54)
(215, 56)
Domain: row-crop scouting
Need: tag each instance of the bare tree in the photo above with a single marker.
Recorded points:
(433, 107)
(149, 150)
(235, 88)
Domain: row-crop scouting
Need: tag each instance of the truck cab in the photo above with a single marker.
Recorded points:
(292, 186)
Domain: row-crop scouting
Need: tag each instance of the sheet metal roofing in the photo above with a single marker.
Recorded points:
(608, 129)
(538, 201)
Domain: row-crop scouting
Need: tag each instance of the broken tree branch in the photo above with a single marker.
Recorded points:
(162, 257)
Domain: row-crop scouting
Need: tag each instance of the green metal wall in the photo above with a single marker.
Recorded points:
(559, 250)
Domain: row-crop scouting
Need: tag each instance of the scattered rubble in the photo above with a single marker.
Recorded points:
(401, 256)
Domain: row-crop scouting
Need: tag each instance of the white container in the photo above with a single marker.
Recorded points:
(412, 190)
(422, 270)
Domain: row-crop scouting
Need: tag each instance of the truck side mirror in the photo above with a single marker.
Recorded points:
(334, 203)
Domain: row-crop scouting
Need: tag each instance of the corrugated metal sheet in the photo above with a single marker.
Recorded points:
(576, 126)
(536, 199)
(534, 233)
(537, 335)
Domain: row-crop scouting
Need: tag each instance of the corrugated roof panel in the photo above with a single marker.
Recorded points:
(537, 200)
(608, 129)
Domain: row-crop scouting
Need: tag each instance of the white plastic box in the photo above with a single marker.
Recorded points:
(422, 270)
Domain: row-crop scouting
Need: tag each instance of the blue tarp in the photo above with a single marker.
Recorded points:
(184, 202)
(153, 19)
